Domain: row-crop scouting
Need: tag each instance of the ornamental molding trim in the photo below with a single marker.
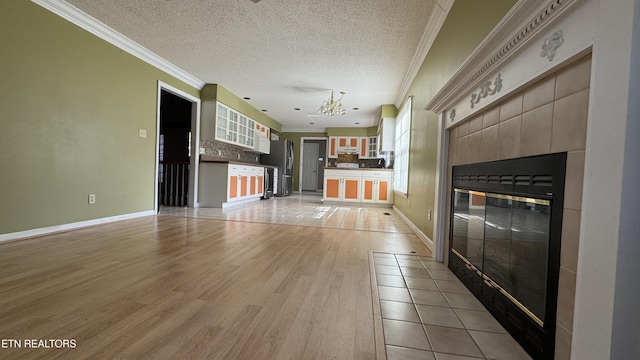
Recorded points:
(502, 43)
(551, 44)
(99, 29)
(486, 90)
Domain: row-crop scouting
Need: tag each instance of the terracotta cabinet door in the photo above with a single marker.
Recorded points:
(367, 190)
(332, 188)
(364, 148)
(252, 185)
(332, 147)
(233, 186)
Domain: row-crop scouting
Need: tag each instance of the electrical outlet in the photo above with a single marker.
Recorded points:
(142, 133)
(219, 152)
(238, 156)
(92, 199)
(429, 215)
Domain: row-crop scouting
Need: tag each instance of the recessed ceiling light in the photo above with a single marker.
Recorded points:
(357, 123)
(356, 108)
(264, 110)
(296, 108)
(311, 123)
(247, 98)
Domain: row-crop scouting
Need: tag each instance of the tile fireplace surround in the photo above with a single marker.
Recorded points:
(548, 116)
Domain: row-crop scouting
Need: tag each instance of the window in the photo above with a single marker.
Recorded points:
(401, 151)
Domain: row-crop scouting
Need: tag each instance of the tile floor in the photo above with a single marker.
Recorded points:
(302, 210)
(427, 313)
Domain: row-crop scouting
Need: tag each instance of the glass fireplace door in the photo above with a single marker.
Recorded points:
(506, 240)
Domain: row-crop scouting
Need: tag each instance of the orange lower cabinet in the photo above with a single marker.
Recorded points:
(351, 187)
(233, 186)
(244, 180)
(332, 189)
(260, 185)
(252, 185)
(367, 188)
(376, 187)
(383, 190)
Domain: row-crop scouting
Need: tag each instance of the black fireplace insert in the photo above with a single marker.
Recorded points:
(504, 242)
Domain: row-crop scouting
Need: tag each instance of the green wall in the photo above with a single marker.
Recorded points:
(218, 92)
(388, 111)
(72, 106)
(466, 25)
(346, 131)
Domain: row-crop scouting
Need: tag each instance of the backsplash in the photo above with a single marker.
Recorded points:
(226, 151)
(363, 163)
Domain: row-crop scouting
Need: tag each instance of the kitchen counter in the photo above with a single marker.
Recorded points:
(357, 169)
(213, 159)
(367, 186)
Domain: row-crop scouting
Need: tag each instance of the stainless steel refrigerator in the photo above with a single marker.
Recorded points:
(281, 155)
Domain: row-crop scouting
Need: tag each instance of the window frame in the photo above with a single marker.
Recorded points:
(402, 146)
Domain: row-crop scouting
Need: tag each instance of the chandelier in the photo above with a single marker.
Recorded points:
(330, 107)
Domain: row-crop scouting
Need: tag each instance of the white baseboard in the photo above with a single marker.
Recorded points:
(66, 227)
(422, 236)
(226, 205)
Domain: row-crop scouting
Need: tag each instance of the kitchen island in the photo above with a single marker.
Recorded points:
(370, 186)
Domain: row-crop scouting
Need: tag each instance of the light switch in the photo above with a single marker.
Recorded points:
(142, 133)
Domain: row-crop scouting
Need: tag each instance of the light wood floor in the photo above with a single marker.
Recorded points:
(179, 287)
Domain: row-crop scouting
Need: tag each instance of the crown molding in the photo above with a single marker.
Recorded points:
(434, 24)
(512, 33)
(95, 27)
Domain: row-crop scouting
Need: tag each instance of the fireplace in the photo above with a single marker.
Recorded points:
(504, 245)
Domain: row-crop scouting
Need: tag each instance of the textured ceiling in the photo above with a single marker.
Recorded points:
(283, 54)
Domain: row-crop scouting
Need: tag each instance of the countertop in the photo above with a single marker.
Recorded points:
(213, 159)
(360, 169)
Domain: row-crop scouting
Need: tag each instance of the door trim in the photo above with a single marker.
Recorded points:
(195, 143)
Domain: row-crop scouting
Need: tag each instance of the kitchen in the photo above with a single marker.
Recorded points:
(261, 176)
(250, 161)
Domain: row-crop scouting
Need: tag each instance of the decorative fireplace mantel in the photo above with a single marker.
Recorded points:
(561, 31)
(509, 42)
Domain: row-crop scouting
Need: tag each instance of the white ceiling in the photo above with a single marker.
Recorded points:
(282, 54)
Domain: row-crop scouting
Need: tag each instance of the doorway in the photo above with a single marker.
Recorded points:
(310, 167)
(312, 162)
(177, 148)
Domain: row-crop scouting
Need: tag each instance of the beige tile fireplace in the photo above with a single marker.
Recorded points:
(548, 116)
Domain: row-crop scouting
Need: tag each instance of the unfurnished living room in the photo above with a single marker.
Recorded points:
(293, 179)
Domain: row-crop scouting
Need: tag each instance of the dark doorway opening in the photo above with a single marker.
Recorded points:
(174, 150)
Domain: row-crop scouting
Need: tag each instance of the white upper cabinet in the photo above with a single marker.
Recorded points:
(386, 135)
(235, 128)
